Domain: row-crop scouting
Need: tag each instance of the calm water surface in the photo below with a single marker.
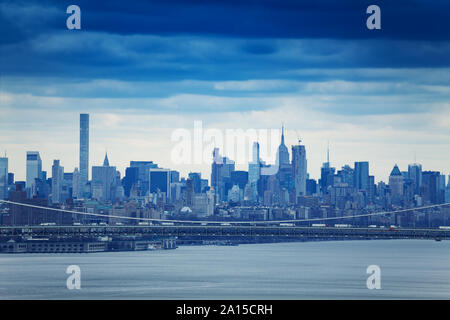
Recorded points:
(410, 269)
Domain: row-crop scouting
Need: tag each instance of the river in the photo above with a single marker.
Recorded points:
(410, 269)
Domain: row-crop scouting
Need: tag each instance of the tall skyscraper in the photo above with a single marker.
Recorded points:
(104, 180)
(396, 182)
(160, 181)
(76, 184)
(84, 153)
(299, 170)
(131, 178)
(34, 171)
(3, 178)
(221, 169)
(415, 174)
(143, 168)
(197, 178)
(254, 173)
(326, 174)
(57, 181)
(283, 152)
(174, 176)
(215, 170)
(361, 175)
(430, 187)
(284, 174)
(326, 177)
(10, 178)
(190, 192)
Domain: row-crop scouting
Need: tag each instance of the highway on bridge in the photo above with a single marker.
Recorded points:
(225, 231)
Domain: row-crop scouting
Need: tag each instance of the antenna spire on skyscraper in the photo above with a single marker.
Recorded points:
(106, 161)
(328, 152)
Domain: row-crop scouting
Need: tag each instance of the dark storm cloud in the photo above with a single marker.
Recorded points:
(220, 41)
(401, 19)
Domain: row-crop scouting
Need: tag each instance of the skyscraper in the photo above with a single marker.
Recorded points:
(283, 153)
(76, 183)
(430, 187)
(143, 168)
(57, 180)
(104, 179)
(190, 192)
(3, 178)
(197, 178)
(160, 181)
(415, 174)
(34, 171)
(84, 153)
(284, 174)
(221, 169)
(326, 174)
(131, 178)
(326, 177)
(396, 182)
(299, 170)
(346, 174)
(254, 172)
(361, 175)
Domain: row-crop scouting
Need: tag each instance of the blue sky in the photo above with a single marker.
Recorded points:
(145, 68)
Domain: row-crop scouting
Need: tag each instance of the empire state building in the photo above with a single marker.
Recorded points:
(283, 152)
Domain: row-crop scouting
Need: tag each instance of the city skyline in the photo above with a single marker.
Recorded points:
(376, 95)
(274, 149)
(205, 168)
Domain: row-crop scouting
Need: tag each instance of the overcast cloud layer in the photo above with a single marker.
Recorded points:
(146, 68)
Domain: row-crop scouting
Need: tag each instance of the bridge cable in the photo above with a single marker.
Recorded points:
(231, 222)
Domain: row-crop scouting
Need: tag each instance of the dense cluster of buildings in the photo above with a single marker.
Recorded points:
(261, 193)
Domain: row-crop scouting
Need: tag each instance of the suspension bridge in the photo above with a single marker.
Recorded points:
(287, 229)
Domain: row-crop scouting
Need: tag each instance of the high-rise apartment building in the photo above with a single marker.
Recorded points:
(430, 187)
(76, 184)
(143, 175)
(415, 174)
(299, 170)
(57, 181)
(221, 169)
(34, 171)
(84, 153)
(396, 182)
(103, 181)
(160, 181)
(361, 175)
(254, 173)
(3, 178)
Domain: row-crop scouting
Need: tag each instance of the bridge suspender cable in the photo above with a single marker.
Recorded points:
(231, 222)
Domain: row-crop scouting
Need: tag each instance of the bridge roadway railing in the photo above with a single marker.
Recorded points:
(224, 231)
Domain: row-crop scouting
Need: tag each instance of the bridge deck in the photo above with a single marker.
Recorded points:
(225, 231)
